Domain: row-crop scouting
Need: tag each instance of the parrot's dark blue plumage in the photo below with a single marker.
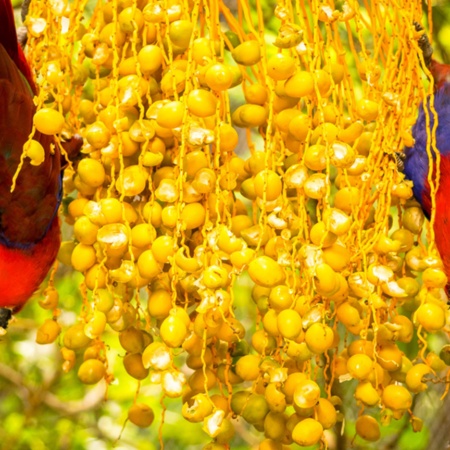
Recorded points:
(416, 162)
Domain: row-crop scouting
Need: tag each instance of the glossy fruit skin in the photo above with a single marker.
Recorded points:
(141, 415)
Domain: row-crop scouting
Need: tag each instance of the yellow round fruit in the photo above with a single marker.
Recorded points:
(83, 257)
(299, 85)
(264, 271)
(367, 394)
(307, 432)
(289, 323)
(91, 172)
(218, 77)
(150, 58)
(247, 53)
(268, 185)
(368, 428)
(359, 366)
(280, 66)
(173, 331)
(141, 415)
(91, 371)
(180, 32)
(247, 367)
(256, 94)
(306, 394)
(250, 116)
(148, 265)
(134, 366)
(431, 317)
(319, 338)
(193, 215)
(201, 103)
(170, 115)
(396, 397)
(49, 121)
(326, 413)
(367, 109)
(48, 332)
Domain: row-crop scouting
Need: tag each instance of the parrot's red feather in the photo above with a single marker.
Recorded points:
(442, 216)
(8, 38)
(29, 226)
(21, 272)
(440, 72)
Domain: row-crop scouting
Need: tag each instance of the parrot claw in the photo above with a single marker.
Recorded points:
(400, 160)
(5, 317)
(424, 45)
(25, 7)
(22, 36)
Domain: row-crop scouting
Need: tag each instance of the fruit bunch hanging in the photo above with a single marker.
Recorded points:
(216, 154)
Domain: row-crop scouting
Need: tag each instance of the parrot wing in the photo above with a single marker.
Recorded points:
(416, 164)
(27, 212)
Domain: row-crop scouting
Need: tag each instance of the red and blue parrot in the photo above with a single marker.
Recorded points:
(29, 224)
(416, 161)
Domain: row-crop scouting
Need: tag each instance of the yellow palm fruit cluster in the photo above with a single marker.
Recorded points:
(216, 155)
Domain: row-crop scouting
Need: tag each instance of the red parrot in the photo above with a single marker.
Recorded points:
(416, 161)
(29, 225)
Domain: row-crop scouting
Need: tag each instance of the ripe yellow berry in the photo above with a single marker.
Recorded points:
(368, 428)
(91, 172)
(141, 415)
(367, 394)
(98, 135)
(360, 366)
(134, 366)
(218, 77)
(201, 103)
(48, 332)
(132, 181)
(85, 231)
(396, 397)
(91, 371)
(264, 271)
(256, 94)
(150, 58)
(173, 331)
(307, 432)
(247, 53)
(148, 265)
(49, 121)
(289, 323)
(171, 115)
(326, 413)
(280, 67)
(35, 152)
(180, 32)
(193, 215)
(431, 317)
(319, 338)
(367, 109)
(306, 394)
(247, 367)
(268, 185)
(83, 257)
(299, 85)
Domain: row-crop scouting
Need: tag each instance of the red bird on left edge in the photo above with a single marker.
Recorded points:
(29, 224)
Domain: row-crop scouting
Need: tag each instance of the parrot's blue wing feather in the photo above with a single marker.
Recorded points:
(416, 164)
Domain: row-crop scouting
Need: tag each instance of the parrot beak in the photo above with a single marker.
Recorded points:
(5, 316)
